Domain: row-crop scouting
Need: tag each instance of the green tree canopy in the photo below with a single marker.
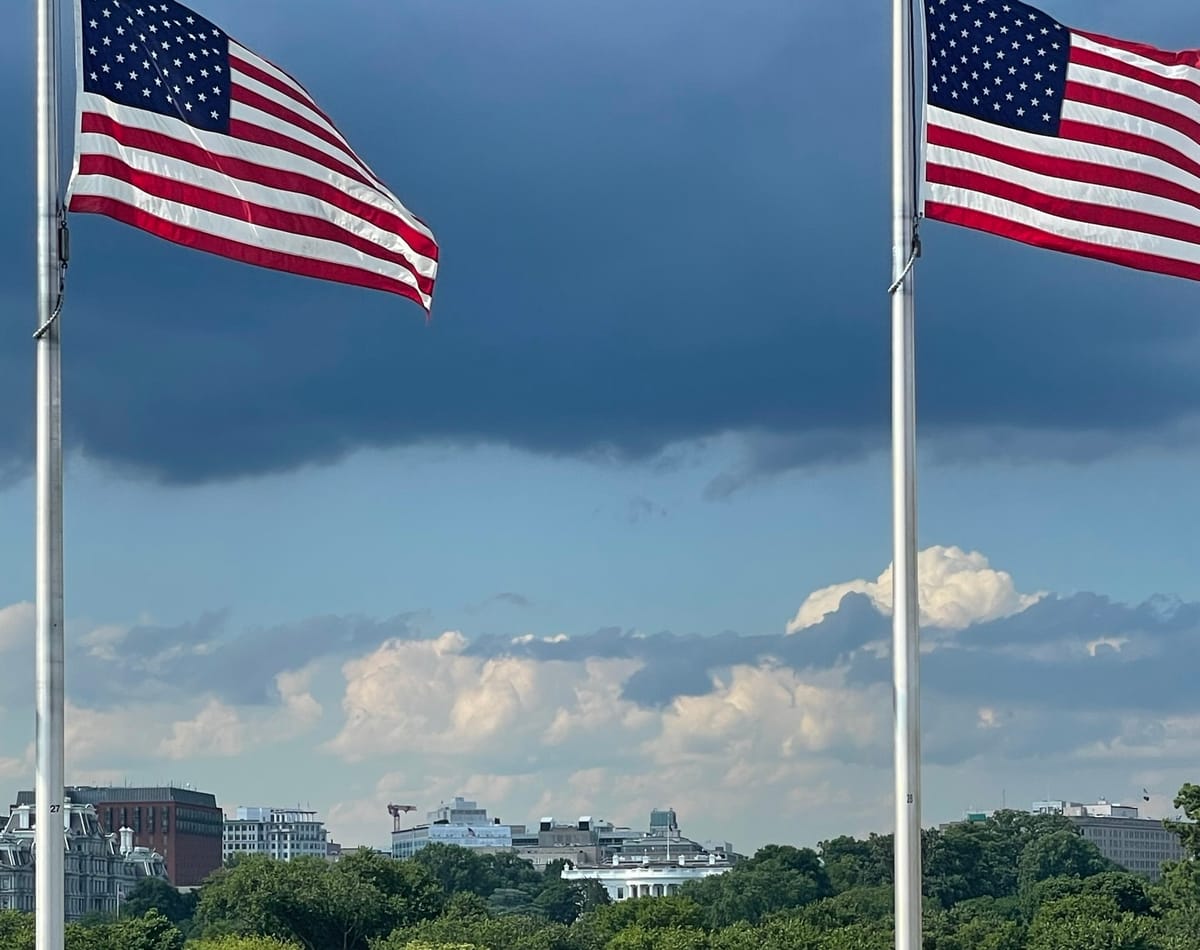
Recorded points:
(1060, 854)
(1087, 922)
(151, 932)
(153, 893)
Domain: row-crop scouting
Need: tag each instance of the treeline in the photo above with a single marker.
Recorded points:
(1013, 882)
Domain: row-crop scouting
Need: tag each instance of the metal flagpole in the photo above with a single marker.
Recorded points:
(905, 635)
(48, 836)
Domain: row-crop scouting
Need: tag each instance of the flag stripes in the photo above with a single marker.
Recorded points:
(1117, 179)
(279, 187)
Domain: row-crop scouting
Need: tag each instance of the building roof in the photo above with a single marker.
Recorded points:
(100, 795)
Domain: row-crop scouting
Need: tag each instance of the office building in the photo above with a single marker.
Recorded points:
(588, 841)
(1140, 845)
(279, 833)
(460, 822)
(100, 868)
(182, 824)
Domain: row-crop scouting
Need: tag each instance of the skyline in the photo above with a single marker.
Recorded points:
(552, 542)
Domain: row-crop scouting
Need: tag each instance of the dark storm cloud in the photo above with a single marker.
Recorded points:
(651, 235)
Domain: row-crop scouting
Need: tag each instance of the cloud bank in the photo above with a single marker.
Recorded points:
(1014, 682)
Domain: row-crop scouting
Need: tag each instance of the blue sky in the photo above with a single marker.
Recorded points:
(309, 535)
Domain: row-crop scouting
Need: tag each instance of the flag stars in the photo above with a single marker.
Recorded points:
(992, 48)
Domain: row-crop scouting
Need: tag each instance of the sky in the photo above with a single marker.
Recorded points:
(612, 530)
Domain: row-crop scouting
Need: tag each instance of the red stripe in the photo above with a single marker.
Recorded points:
(1132, 105)
(235, 250)
(1110, 216)
(1187, 57)
(1003, 227)
(243, 170)
(249, 132)
(1067, 169)
(1127, 141)
(269, 79)
(284, 114)
(250, 212)
(1180, 87)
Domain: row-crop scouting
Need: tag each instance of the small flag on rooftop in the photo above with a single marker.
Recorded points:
(186, 134)
(1063, 139)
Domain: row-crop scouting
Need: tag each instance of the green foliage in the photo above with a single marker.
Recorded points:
(1188, 800)
(601, 925)
(850, 862)
(235, 942)
(1087, 922)
(638, 937)
(457, 869)
(156, 894)
(858, 905)
(319, 905)
(975, 859)
(1060, 854)
(778, 877)
(16, 930)
(150, 932)
(511, 932)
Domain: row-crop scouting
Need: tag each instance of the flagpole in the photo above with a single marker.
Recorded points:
(905, 634)
(48, 830)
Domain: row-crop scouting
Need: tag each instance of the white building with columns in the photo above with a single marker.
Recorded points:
(629, 877)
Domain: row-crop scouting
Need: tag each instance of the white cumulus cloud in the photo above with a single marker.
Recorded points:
(16, 626)
(956, 588)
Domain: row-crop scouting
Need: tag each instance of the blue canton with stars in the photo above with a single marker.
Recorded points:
(997, 60)
(161, 57)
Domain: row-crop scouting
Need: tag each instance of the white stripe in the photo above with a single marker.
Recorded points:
(1054, 188)
(236, 49)
(1112, 82)
(1083, 151)
(1094, 234)
(289, 201)
(264, 120)
(226, 145)
(217, 225)
(310, 109)
(1181, 71)
(274, 95)
(1123, 122)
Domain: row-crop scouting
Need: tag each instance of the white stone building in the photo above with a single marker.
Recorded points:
(630, 877)
(100, 868)
(279, 833)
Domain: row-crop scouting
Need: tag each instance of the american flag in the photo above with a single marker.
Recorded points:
(1058, 138)
(190, 136)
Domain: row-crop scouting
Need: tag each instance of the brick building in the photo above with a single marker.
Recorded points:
(183, 825)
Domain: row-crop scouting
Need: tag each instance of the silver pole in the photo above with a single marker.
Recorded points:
(48, 836)
(905, 634)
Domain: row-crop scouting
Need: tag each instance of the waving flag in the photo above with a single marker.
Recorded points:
(1062, 139)
(190, 136)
